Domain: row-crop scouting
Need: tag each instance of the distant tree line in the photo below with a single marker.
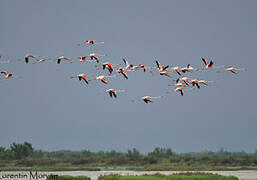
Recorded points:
(28, 155)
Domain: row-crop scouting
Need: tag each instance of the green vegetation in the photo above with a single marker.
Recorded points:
(25, 157)
(68, 178)
(180, 176)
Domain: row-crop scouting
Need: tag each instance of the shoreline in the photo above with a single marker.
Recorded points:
(241, 174)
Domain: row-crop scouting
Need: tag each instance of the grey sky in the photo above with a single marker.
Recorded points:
(53, 112)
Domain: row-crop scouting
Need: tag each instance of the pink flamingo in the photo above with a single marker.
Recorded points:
(189, 68)
(147, 99)
(112, 92)
(180, 89)
(128, 66)
(80, 77)
(61, 58)
(160, 67)
(195, 82)
(178, 83)
(233, 69)
(96, 56)
(40, 61)
(7, 75)
(108, 66)
(81, 59)
(27, 57)
(185, 79)
(177, 70)
(204, 82)
(207, 63)
(122, 71)
(90, 42)
(103, 78)
(162, 70)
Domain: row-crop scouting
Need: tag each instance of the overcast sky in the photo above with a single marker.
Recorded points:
(48, 109)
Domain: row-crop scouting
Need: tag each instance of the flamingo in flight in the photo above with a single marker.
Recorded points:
(112, 92)
(122, 71)
(208, 64)
(128, 66)
(90, 42)
(179, 89)
(80, 77)
(94, 56)
(160, 67)
(233, 69)
(185, 79)
(189, 68)
(40, 61)
(195, 82)
(178, 83)
(59, 59)
(147, 99)
(81, 59)
(27, 57)
(108, 66)
(140, 66)
(7, 74)
(162, 70)
(177, 70)
(103, 78)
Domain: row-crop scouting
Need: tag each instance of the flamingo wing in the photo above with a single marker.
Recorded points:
(158, 65)
(204, 61)
(165, 67)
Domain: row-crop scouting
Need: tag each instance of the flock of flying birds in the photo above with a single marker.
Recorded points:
(180, 85)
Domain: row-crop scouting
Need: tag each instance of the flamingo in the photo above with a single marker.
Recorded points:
(122, 71)
(177, 70)
(164, 73)
(185, 79)
(147, 99)
(27, 57)
(189, 68)
(103, 78)
(40, 61)
(140, 66)
(206, 83)
(162, 70)
(96, 56)
(180, 89)
(178, 83)
(61, 58)
(195, 82)
(108, 66)
(7, 74)
(81, 59)
(160, 67)
(207, 63)
(81, 76)
(90, 42)
(233, 69)
(128, 66)
(112, 92)
(203, 82)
